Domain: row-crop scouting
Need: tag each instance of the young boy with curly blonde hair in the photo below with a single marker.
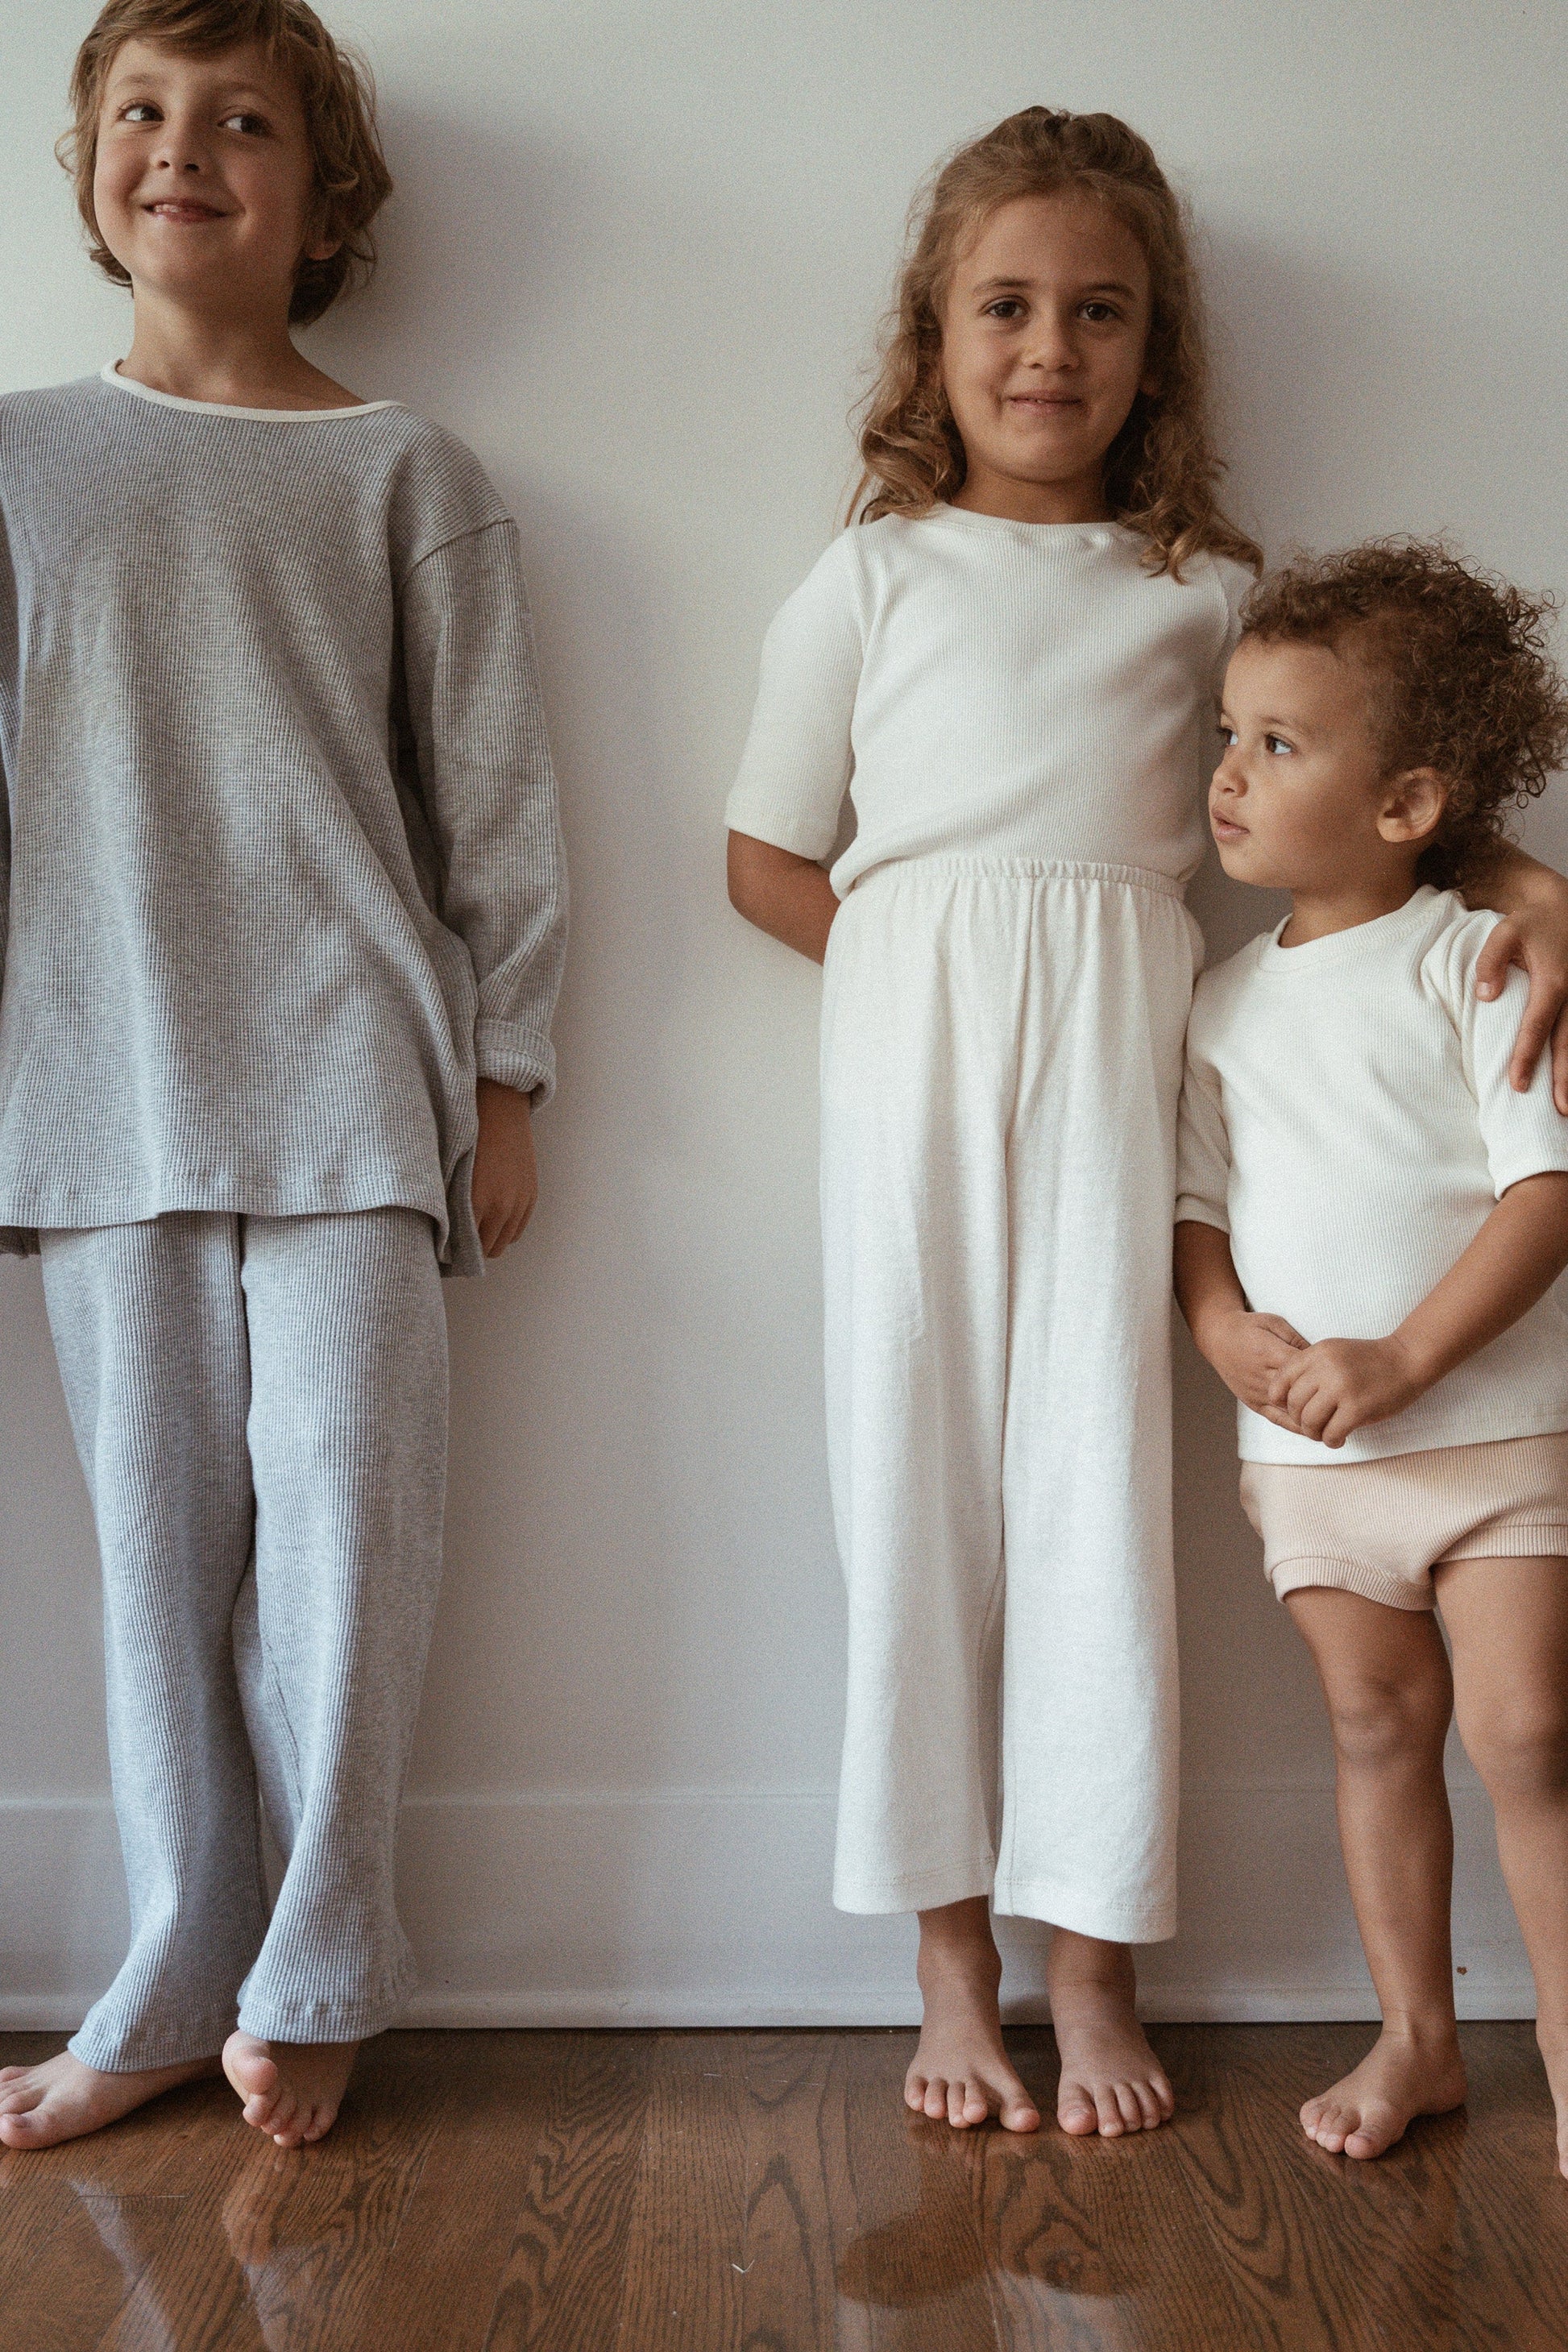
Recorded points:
(1370, 1219)
(286, 919)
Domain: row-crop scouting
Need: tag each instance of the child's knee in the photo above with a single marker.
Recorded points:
(1520, 1745)
(1378, 1720)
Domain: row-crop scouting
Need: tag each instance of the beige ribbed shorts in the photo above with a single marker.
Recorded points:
(1380, 1527)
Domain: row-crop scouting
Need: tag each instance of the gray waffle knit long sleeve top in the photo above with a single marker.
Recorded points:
(280, 867)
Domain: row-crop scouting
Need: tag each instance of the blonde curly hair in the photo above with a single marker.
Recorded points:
(352, 182)
(1161, 471)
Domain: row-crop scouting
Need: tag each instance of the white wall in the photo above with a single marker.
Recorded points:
(635, 259)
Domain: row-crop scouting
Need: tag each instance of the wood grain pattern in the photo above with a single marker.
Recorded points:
(800, 2211)
(439, 2282)
(564, 2280)
(1099, 2242)
(768, 2192)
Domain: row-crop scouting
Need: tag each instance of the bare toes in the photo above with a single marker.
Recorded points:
(1075, 2113)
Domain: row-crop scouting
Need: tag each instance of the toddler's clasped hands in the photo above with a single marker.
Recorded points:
(1323, 1391)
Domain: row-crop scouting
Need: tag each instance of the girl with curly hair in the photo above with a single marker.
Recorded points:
(1010, 666)
(1370, 1221)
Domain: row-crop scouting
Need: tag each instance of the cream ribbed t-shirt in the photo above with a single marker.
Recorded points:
(1347, 1119)
(985, 688)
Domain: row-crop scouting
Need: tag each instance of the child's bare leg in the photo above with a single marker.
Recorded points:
(1112, 2081)
(1385, 1677)
(962, 2069)
(63, 2099)
(1508, 1623)
(291, 2090)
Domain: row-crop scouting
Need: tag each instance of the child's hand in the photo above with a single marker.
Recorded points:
(506, 1176)
(1340, 1384)
(1250, 1353)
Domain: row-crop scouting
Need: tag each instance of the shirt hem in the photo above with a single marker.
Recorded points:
(1555, 1425)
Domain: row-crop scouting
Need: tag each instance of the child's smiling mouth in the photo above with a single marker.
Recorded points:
(184, 210)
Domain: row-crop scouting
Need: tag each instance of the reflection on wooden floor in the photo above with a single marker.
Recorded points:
(766, 2192)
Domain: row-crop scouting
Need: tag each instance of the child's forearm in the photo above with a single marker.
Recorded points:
(1207, 1280)
(789, 897)
(1513, 1261)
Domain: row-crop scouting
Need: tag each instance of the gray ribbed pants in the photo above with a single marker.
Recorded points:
(261, 1407)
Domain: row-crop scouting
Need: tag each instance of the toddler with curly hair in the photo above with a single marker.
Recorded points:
(1370, 1219)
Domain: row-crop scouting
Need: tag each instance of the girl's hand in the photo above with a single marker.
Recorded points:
(506, 1175)
(1340, 1384)
(1252, 1353)
(1533, 933)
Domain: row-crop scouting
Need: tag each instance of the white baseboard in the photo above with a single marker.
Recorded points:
(712, 1908)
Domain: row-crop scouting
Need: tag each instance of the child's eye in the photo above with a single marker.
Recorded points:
(247, 123)
(1097, 312)
(143, 110)
(1226, 736)
(1007, 307)
(1273, 743)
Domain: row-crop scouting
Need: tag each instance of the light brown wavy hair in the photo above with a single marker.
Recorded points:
(336, 92)
(1461, 675)
(1161, 470)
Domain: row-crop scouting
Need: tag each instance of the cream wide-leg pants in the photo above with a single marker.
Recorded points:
(1001, 1058)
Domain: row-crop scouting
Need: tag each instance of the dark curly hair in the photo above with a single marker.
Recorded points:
(352, 182)
(1162, 471)
(1462, 677)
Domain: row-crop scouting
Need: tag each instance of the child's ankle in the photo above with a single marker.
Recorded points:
(1433, 2029)
(1088, 1963)
(957, 1937)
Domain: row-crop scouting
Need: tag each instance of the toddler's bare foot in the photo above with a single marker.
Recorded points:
(1400, 2077)
(63, 2099)
(1554, 2050)
(291, 2090)
(1112, 2081)
(962, 2069)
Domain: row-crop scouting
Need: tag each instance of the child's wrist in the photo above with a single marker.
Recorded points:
(1421, 1362)
(1214, 1331)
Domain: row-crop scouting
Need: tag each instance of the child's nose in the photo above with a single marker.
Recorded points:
(1050, 342)
(180, 149)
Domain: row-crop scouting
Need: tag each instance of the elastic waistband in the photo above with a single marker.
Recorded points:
(1027, 869)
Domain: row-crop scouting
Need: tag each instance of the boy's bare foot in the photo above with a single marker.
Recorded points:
(1112, 2081)
(962, 2069)
(291, 2090)
(1555, 2051)
(1400, 2078)
(63, 2099)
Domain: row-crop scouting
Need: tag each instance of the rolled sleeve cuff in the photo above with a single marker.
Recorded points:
(1190, 1210)
(801, 837)
(517, 1056)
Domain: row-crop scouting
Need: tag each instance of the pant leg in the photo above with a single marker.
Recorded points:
(348, 1451)
(1089, 1698)
(149, 1328)
(919, 1043)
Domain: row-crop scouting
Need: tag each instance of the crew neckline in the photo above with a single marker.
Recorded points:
(1358, 938)
(110, 373)
(1089, 534)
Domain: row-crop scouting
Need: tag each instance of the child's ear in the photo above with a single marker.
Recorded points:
(1414, 805)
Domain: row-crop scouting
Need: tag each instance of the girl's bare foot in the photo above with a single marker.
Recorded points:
(961, 2069)
(63, 2099)
(291, 2090)
(1112, 2081)
(1402, 2076)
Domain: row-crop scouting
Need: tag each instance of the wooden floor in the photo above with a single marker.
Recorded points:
(766, 2192)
